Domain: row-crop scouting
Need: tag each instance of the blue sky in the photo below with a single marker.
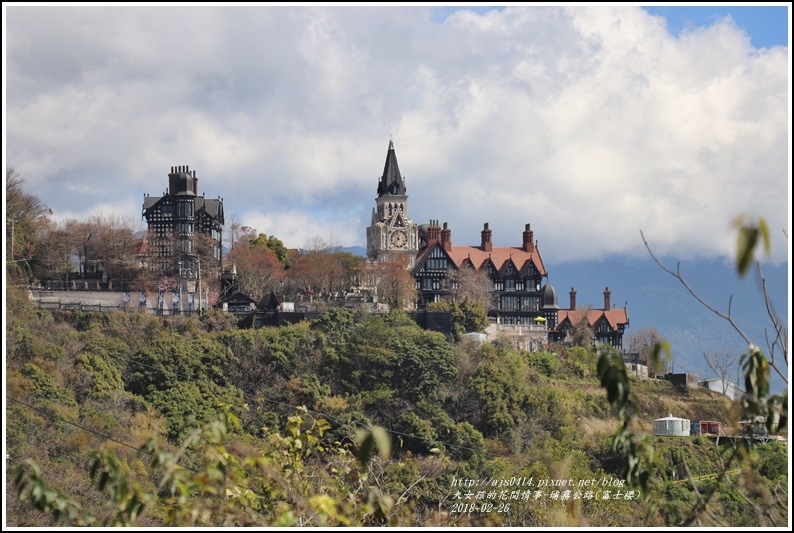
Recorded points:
(767, 25)
(591, 121)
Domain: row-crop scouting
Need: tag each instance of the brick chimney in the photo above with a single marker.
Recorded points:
(486, 245)
(529, 244)
(606, 299)
(446, 238)
(573, 298)
(433, 232)
(172, 180)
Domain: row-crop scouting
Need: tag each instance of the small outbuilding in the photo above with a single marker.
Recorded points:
(671, 425)
(706, 427)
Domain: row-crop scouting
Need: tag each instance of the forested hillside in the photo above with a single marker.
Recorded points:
(353, 419)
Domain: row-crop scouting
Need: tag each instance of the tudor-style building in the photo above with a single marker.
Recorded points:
(519, 299)
(608, 324)
(391, 235)
(175, 220)
(515, 274)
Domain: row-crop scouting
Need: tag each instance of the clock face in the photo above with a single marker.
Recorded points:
(399, 238)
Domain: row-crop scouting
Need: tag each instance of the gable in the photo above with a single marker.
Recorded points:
(509, 268)
(435, 259)
(602, 325)
(565, 323)
(529, 269)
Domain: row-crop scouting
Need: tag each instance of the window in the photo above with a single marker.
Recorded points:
(508, 303)
(437, 260)
(530, 303)
(436, 264)
(185, 209)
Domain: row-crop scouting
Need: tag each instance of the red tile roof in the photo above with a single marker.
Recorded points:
(499, 257)
(614, 317)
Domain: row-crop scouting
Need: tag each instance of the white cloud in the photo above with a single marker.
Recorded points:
(588, 123)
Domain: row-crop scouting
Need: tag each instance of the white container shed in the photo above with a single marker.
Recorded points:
(671, 425)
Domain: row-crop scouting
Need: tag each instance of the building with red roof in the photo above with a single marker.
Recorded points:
(514, 276)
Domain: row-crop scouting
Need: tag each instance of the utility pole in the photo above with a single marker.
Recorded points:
(198, 287)
(179, 307)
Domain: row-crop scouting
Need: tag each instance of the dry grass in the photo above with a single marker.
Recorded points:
(598, 426)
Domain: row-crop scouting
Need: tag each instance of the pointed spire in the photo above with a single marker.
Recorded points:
(391, 182)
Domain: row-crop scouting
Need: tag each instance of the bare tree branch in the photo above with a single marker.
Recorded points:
(780, 336)
(779, 330)
(677, 274)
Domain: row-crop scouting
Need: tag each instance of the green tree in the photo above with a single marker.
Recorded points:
(188, 405)
(102, 360)
(424, 362)
(467, 316)
(273, 244)
(581, 361)
(164, 363)
(500, 383)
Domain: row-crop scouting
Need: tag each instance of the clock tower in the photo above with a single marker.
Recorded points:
(392, 236)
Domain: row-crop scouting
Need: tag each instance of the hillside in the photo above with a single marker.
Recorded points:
(280, 427)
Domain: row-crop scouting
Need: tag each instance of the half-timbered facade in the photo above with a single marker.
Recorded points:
(514, 274)
(175, 219)
(608, 324)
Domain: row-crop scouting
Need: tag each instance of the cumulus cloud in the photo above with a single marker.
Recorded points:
(589, 123)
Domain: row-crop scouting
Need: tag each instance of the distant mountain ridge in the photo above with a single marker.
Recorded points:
(656, 299)
(355, 250)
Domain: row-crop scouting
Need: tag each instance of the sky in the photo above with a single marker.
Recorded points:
(590, 123)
